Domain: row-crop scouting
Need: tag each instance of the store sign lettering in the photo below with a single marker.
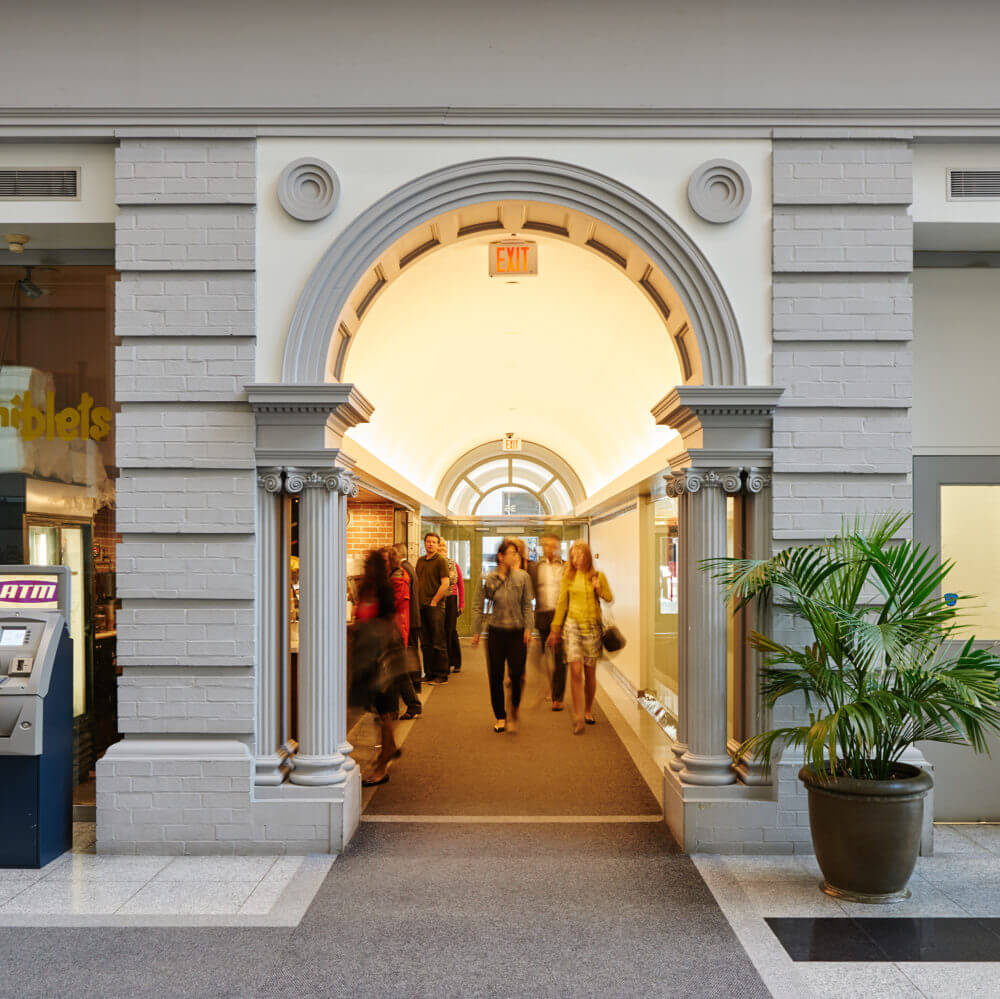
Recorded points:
(28, 591)
(85, 422)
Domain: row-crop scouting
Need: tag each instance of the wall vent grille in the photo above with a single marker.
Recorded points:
(974, 184)
(33, 185)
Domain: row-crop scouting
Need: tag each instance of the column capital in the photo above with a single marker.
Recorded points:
(269, 479)
(341, 480)
(693, 480)
(758, 479)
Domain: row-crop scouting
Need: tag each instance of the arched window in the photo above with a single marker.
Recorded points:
(503, 485)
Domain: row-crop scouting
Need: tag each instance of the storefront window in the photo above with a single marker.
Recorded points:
(732, 651)
(662, 680)
(970, 537)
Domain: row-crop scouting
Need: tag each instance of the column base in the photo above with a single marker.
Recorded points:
(268, 771)
(707, 771)
(319, 771)
(679, 749)
(750, 769)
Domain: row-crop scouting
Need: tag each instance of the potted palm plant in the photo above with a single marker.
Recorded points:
(884, 668)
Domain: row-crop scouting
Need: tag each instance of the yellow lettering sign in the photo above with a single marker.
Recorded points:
(84, 422)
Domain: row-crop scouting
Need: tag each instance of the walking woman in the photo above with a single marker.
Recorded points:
(508, 588)
(578, 621)
(379, 658)
(401, 586)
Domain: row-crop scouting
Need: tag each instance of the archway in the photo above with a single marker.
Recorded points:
(308, 349)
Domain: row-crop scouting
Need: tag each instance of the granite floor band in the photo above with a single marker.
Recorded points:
(875, 939)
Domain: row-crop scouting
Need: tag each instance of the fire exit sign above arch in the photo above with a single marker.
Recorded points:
(513, 258)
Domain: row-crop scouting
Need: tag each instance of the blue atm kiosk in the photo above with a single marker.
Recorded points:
(36, 715)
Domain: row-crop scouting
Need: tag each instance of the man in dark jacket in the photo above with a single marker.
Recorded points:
(433, 583)
(413, 642)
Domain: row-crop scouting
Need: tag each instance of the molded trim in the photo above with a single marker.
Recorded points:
(382, 224)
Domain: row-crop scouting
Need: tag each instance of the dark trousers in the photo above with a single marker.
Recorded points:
(408, 693)
(451, 633)
(543, 621)
(432, 642)
(505, 648)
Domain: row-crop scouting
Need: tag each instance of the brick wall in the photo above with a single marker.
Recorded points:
(370, 526)
(185, 315)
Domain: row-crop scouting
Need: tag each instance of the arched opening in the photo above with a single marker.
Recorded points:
(466, 366)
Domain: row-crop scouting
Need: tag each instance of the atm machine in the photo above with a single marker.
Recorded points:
(36, 715)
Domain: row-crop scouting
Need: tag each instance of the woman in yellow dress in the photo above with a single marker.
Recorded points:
(578, 621)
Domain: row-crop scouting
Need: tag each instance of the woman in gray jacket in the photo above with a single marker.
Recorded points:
(508, 589)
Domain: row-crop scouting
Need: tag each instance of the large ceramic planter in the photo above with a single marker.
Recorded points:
(866, 833)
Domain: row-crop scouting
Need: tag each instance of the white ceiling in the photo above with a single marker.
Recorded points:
(572, 359)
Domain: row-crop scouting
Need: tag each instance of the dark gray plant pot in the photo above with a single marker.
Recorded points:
(866, 833)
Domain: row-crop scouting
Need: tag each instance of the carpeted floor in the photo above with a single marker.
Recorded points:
(453, 763)
(464, 909)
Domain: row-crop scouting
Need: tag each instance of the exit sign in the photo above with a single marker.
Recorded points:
(513, 257)
(510, 444)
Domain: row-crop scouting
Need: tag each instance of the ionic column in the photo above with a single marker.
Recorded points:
(322, 697)
(706, 760)
(676, 487)
(758, 496)
(269, 605)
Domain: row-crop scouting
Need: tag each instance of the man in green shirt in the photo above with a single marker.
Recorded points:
(433, 583)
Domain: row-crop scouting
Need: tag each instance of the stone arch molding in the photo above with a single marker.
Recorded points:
(637, 218)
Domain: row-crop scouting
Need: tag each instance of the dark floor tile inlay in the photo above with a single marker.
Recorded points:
(888, 939)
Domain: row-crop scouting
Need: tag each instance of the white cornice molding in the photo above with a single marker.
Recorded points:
(248, 122)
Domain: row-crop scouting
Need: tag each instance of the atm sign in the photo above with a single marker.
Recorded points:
(38, 593)
(513, 257)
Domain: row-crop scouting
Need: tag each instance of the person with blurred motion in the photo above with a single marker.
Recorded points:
(508, 588)
(433, 583)
(400, 583)
(413, 635)
(577, 621)
(546, 578)
(378, 659)
(453, 606)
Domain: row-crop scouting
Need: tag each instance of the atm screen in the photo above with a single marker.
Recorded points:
(12, 636)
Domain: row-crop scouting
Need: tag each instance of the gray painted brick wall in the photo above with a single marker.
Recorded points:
(842, 172)
(185, 310)
(823, 238)
(196, 303)
(184, 701)
(192, 435)
(193, 500)
(195, 369)
(169, 566)
(191, 237)
(168, 171)
(871, 308)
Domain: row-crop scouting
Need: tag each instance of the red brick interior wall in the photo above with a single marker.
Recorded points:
(370, 526)
(105, 537)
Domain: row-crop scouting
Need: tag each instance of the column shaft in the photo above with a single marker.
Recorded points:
(270, 660)
(320, 698)
(758, 719)
(680, 747)
(706, 760)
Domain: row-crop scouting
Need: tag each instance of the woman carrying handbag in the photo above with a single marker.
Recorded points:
(577, 621)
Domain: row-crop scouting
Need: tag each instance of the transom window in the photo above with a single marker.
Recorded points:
(505, 486)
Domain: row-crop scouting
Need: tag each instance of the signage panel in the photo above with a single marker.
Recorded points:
(513, 257)
(510, 444)
(29, 593)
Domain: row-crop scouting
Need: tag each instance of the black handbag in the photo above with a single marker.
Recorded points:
(612, 639)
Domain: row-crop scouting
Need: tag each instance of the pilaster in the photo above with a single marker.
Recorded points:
(269, 606)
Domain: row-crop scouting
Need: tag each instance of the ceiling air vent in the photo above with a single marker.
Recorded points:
(33, 185)
(974, 183)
